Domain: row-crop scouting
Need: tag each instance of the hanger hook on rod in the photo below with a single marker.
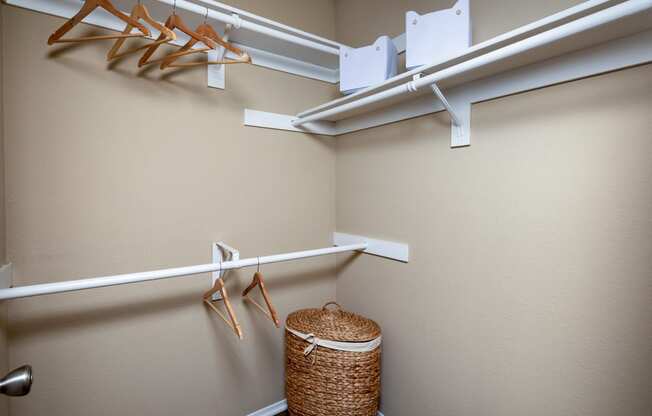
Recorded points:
(206, 16)
(258, 266)
(174, 7)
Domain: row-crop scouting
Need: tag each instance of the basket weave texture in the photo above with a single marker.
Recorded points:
(331, 382)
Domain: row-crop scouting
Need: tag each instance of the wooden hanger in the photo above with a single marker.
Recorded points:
(259, 281)
(139, 12)
(205, 30)
(86, 9)
(173, 22)
(232, 322)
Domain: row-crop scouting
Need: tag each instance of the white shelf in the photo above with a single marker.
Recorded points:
(270, 44)
(637, 18)
(540, 26)
(591, 38)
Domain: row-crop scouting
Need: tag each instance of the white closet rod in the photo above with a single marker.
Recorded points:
(240, 23)
(123, 279)
(580, 25)
(270, 22)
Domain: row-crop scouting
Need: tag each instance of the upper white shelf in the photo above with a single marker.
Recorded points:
(585, 25)
(271, 44)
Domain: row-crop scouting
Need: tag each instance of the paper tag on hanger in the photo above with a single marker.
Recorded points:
(216, 73)
(222, 253)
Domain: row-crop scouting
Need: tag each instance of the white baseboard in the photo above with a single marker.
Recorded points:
(272, 409)
(276, 408)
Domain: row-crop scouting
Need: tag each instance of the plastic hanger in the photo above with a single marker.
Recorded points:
(260, 282)
(232, 321)
(139, 12)
(86, 9)
(205, 30)
(173, 22)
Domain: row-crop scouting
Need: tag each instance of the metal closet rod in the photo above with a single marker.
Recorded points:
(240, 23)
(123, 279)
(603, 17)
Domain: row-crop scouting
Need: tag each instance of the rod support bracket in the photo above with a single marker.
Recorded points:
(216, 74)
(237, 21)
(222, 252)
(459, 110)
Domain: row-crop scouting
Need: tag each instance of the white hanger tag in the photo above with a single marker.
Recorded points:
(216, 73)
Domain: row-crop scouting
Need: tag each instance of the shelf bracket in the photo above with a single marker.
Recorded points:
(217, 73)
(460, 115)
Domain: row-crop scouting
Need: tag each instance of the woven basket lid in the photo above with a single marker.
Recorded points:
(333, 324)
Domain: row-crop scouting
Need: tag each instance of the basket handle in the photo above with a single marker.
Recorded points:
(325, 307)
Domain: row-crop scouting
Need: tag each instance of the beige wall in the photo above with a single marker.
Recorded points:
(110, 170)
(528, 289)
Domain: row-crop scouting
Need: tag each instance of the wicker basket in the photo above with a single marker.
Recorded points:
(332, 364)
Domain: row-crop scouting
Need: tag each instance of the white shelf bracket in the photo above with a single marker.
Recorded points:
(6, 276)
(382, 248)
(217, 73)
(221, 253)
(460, 117)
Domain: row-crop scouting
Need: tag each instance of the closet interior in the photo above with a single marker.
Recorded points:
(147, 143)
